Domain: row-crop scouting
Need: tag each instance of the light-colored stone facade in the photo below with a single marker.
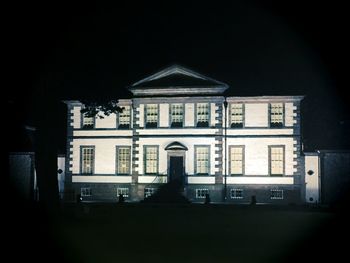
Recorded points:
(256, 136)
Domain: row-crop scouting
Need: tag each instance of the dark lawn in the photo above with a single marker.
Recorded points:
(191, 233)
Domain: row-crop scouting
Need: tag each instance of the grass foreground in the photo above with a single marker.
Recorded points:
(88, 233)
(187, 233)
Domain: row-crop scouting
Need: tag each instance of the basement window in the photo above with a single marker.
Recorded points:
(276, 194)
(123, 191)
(237, 193)
(149, 192)
(201, 193)
(85, 191)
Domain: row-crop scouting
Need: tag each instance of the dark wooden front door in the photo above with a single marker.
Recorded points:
(176, 168)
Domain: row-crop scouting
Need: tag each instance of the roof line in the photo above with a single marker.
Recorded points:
(174, 67)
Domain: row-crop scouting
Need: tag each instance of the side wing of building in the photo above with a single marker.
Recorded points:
(264, 162)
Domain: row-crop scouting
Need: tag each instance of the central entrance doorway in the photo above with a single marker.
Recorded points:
(176, 168)
(176, 162)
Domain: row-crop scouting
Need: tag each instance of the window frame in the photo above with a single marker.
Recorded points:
(243, 159)
(118, 119)
(283, 160)
(233, 192)
(118, 147)
(145, 159)
(121, 189)
(195, 160)
(196, 115)
(82, 147)
(83, 191)
(153, 190)
(170, 115)
(283, 115)
(202, 191)
(88, 127)
(230, 115)
(276, 191)
(145, 116)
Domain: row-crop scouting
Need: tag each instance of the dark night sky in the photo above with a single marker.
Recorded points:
(85, 50)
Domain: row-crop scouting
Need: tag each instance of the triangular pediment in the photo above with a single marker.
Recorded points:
(176, 80)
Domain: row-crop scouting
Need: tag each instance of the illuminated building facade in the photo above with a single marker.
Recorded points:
(179, 126)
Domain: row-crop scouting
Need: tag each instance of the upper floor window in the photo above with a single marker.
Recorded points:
(276, 115)
(87, 159)
(176, 115)
(202, 114)
(151, 159)
(236, 160)
(123, 160)
(88, 122)
(202, 159)
(236, 115)
(276, 160)
(151, 116)
(124, 117)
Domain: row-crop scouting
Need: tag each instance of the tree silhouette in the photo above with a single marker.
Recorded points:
(48, 100)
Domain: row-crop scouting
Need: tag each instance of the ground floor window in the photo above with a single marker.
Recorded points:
(201, 193)
(87, 159)
(123, 191)
(276, 194)
(85, 191)
(149, 192)
(202, 164)
(151, 159)
(237, 193)
(236, 160)
(123, 160)
(276, 160)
